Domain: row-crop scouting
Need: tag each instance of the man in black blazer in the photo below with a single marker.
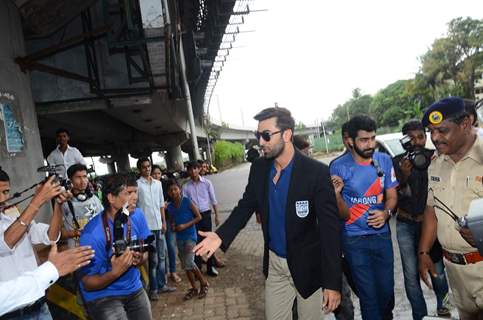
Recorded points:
(301, 227)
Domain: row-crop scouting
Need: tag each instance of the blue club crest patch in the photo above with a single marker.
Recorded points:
(302, 208)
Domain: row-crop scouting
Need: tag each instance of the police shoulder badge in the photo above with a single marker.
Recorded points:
(302, 208)
(435, 117)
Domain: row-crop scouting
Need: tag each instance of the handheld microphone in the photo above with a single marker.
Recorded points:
(375, 164)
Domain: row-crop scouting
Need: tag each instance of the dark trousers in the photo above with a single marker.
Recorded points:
(132, 307)
(370, 258)
(204, 225)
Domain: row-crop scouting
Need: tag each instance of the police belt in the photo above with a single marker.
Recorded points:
(26, 310)
(465, 258)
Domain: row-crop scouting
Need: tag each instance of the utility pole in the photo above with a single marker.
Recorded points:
(184, 80)
(219, 109)
(325, 137)
(208, 143)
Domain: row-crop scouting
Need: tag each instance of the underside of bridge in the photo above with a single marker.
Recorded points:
(111, 71)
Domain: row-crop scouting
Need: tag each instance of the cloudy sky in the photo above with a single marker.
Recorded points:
(308, 55)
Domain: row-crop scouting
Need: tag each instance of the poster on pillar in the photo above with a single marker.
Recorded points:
(12, 142)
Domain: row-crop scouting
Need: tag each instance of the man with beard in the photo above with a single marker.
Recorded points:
(300, 223)
(365, 185)
(455, 180)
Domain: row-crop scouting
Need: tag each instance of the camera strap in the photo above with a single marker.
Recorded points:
(107, 230)
(74, 219)
(5, 206)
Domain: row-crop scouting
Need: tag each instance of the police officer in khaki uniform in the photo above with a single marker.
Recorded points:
(455, 179)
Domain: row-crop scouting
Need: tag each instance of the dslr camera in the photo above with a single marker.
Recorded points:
(137, 245)
(121, 244)
(52, 170)
(420, 157)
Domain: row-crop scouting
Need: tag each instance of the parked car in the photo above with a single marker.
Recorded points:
(390, 144)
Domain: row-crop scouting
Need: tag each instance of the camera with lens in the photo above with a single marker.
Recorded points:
(137, 245)
(121, 244)
(52, 170)
(419, 157)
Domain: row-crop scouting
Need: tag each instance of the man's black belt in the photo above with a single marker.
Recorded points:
(25, 311)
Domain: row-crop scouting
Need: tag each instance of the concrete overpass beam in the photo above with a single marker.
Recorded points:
(174, 158)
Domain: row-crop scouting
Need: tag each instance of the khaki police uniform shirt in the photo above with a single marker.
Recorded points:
(456, 185)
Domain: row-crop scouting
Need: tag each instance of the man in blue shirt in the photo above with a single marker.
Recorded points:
(111, 285)
(365, 186)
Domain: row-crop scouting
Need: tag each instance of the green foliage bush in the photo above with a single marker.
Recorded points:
(227, 153)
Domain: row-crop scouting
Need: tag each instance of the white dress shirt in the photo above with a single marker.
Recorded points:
(26, 288)
(71, 156)
(151, 200)
(21, 258)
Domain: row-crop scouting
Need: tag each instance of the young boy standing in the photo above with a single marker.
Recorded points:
(185, 216)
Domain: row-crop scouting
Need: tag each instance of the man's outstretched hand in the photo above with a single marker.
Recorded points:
(208, 245)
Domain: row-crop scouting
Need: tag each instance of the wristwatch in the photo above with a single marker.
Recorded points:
(389, 212)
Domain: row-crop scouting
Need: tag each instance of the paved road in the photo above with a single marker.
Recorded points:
(238, 292)
(230, 185)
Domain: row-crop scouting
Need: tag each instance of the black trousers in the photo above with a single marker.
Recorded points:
(204, 225)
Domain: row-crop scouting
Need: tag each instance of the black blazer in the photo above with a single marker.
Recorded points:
(313, 242)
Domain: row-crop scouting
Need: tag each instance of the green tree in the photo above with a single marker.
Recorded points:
(300, 125)
(449, 66)
(357, 105)
(392, 104)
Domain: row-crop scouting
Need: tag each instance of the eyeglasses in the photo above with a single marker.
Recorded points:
(266, 135)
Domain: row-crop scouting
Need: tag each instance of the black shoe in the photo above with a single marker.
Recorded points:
(212, 272)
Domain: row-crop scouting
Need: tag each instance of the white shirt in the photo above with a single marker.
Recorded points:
(71, 156)
(26, 288)
(151, 200)
(21, 258)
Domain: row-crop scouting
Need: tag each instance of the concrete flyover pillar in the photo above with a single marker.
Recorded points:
(111, 167)
(174, 158)
(20, 148)
(122, 161)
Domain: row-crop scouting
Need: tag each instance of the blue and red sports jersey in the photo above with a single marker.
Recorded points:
(364, 189)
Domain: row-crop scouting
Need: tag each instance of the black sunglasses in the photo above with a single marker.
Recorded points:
(266, 135)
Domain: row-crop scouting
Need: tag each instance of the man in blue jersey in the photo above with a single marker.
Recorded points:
(365, 186)
(110, 284)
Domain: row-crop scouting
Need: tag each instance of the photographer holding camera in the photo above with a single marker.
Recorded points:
(412, 173)
(18, 232)
(83, 206)
(111, 284)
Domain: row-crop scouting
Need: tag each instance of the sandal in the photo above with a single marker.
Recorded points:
(203, 291)
(190, 294)
(443, 312)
